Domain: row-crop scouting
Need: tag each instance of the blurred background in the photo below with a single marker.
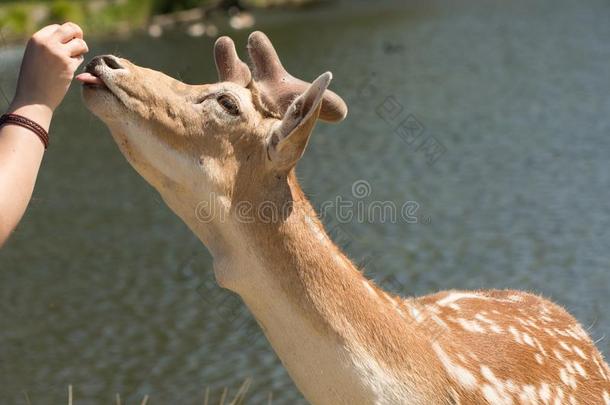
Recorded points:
(492, 116)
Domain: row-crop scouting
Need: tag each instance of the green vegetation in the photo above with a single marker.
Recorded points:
(18, 19)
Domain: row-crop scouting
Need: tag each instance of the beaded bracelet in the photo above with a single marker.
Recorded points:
(27, 123)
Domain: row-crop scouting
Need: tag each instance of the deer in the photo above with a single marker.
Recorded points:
(211, 149)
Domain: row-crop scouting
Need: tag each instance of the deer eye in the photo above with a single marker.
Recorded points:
(228, 103)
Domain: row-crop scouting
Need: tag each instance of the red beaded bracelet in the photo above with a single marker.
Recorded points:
(27, 123)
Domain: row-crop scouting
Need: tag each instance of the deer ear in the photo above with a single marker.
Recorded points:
(289, 137)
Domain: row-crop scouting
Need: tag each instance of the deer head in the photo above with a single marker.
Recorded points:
(219, 143)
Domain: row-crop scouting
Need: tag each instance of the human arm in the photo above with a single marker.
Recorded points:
(51, 57)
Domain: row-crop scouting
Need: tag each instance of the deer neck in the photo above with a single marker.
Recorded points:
(332, 328)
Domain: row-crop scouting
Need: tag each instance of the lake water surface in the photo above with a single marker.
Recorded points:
(102, 287)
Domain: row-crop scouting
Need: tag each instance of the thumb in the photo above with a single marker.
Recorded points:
(75, 62)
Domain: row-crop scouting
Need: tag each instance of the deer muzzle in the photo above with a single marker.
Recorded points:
(98, 68)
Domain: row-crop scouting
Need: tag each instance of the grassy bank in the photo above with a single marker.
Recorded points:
(18, 19)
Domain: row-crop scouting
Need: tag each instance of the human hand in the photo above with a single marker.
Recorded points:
(51, 57)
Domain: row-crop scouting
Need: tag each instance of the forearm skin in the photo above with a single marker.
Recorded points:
(21, 153)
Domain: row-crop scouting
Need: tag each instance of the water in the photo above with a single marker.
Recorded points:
(102, 287)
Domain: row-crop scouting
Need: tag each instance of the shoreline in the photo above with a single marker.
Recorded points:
(104, 18)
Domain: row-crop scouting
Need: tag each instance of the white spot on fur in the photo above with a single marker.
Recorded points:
(456, 296)
(471, 326)
(496, 392)
(550, 332)
(559, 397)
(567, 378)
(415, 313)
(340, 260)
(516, 334)
(580, 370)
(528, 340)
(564, 376)
(580, 332)
(545, 393)
(494, 327)
(558, 355)
(579, 352)
(368, 287)
(600, 368)
(494, 397)
(528, 395)
(540, 347)
(460, 374)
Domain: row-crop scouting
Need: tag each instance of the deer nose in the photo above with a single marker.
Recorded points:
(111, 61)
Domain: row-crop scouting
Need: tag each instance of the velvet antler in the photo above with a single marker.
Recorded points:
(230, 68)
(276, 86)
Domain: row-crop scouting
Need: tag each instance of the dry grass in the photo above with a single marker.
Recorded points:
(238, 399)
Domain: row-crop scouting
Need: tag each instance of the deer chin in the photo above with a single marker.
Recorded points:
(102, 101)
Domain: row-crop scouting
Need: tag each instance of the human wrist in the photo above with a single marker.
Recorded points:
(39, 113)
